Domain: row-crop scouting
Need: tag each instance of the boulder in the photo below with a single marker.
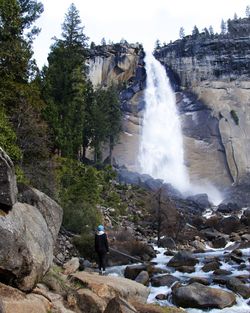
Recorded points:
(143, 278)
(50, 210)
(183, 258)
(13, 300)
(199, 296)
(132, 271)
(108, 288)
(219, 242)
(167, 242)
(89, 302)
(151, 308)
(119, 305)
(237, 286)
(164, 280)
(8, 188)
(26, 245)
(71, 266)
(211, 266)
(229, 224)
(201, 200)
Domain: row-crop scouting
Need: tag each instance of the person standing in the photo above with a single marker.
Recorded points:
(101, 248)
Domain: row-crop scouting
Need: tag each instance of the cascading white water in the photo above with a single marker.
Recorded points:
(161, 151)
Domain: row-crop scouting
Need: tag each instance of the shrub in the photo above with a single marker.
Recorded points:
(85, 245)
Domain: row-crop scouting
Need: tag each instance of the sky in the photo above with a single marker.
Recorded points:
(142, 21)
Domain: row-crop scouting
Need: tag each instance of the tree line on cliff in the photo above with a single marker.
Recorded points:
(48, 118)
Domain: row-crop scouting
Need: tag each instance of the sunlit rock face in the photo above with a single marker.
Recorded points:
(123, 65)
(215, 70)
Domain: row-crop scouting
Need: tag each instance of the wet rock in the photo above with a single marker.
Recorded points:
(237, 286)
(167, 242)
(164, 280)
(229, 224)
(119, 305)
(186, 269)
(132, 271)
(161, 296)
(199, 296)
(143, 278)
(201, 200)
(200, 280)
(211, 266)
(219, 242)
(222, 272)
(228, 207)
(183, 258)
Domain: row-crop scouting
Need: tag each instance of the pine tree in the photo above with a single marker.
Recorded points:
(223, 27)
(181, 33)
(211, 30)
(65, 86)
(195, 31)
(248, 11)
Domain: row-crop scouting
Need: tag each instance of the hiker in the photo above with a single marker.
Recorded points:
(101, 248)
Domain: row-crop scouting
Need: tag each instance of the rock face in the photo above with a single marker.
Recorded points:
(27, 237)
(216, 70)
(199, 296)
(122, 64)
(8, 189)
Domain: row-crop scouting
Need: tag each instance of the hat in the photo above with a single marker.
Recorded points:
(100, 228)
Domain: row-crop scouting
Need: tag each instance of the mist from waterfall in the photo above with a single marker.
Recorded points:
(161, 152)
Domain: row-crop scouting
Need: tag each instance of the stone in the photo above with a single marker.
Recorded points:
(182, 258)
(201, 200)
(211, 266)
(132, 271)
(71, 266)
(161, 297)
(8, 187)
(199, 296)
(16, 301)
(151, 308)
(167, 242)
(200, 280)
(186, 269)
(50, 209)
(26, 244)
(237, 286)
(89, 302)
(119, 305)
(163, 280)
(142, 278)
(229, 224)
(108, 288)
(219, 242)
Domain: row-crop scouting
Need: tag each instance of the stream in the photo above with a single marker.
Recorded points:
(161, 261)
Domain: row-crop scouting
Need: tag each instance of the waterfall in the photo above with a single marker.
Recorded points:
(161, 151)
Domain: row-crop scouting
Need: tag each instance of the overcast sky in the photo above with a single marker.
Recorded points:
(141, 21)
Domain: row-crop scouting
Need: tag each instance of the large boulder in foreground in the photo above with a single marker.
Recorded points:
(27, 239)
(8, 189)
(109, 287)
(13, 300)
(199, 296)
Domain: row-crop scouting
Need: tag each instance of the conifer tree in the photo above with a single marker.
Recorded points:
(181, 33)
(65, 86)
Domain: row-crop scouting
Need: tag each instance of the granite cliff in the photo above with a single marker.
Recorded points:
(210, 74)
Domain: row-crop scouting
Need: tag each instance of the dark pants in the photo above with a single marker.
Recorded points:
(102, 260)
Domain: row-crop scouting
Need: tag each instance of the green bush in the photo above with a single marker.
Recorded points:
(8, 138)
(85, 245)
